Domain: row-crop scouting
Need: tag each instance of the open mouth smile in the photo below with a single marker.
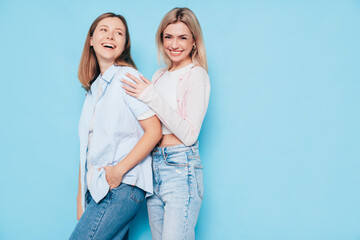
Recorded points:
(108, 45)
(175, 53)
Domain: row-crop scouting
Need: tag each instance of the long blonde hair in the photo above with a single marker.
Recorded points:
(185, 15)
(89, 67)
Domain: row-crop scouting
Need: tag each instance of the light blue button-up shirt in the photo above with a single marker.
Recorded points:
(116, 131)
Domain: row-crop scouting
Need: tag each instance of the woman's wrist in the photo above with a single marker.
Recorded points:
(120, 169)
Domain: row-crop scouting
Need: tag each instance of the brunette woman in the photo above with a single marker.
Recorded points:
(117, 133)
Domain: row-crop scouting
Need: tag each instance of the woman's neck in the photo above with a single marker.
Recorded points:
(176, 66)
(104, 66)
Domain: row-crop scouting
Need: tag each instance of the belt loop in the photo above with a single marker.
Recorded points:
(193, 149)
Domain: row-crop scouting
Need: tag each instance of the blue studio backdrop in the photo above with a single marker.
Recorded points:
(280, 143)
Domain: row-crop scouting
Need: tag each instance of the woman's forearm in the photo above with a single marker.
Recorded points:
(187, 128)
(152, 135)
(78, 198)
(79, 209)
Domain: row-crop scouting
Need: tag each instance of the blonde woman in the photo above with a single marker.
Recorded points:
(117, 133)
(179, 95)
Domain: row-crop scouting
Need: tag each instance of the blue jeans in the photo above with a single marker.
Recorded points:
(111, 217)
(178, 190)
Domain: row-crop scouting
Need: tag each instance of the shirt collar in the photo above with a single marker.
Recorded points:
(109, 73)
(103, 79)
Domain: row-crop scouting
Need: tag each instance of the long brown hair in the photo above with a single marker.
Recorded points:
(184, 15)
(89, 67)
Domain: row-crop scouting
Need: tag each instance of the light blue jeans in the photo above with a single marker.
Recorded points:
(178, 190)
(111, 217)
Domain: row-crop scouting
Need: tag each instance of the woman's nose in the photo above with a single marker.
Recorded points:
(110, 36)
(174, 44)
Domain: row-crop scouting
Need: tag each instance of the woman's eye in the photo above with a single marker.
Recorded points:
(167, 37)
(119, 33)
(184, 38)
(103, 29)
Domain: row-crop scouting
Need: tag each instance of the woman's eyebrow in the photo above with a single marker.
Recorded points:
(182, 35)
(120, 29)
(108, 27)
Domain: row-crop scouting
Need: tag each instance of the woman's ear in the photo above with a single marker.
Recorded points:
(91, 41)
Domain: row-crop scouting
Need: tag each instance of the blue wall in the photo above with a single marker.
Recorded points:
(280, 143)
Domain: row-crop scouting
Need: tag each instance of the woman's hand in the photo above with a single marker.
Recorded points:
(113, 176)
(135, 89)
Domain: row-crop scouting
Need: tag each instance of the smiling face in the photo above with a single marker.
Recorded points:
(178, 42)
(108, 41)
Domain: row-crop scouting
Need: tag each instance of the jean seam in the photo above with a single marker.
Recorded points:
(198, 187)
(101, 217)
(132, 196)
(187, 204)
(156, 175)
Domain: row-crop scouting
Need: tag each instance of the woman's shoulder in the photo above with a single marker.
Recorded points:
(158, 73)
(197, 69)
(122, 70)
(199, 74)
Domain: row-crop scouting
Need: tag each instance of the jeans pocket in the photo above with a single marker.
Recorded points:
(117, 188)
(199, 180)
(177, 159)
(137, 195)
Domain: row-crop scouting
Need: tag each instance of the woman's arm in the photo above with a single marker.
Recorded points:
(79, 210)
(185, 126)
(152, 135)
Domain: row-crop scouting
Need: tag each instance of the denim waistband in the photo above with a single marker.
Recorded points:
(175, 149)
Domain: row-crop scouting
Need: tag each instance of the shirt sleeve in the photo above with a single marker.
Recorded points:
(136, 106)
(146, 115)
(184, 126)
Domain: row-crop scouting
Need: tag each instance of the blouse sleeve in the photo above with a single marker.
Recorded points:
(186, 125)
(139, 109)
